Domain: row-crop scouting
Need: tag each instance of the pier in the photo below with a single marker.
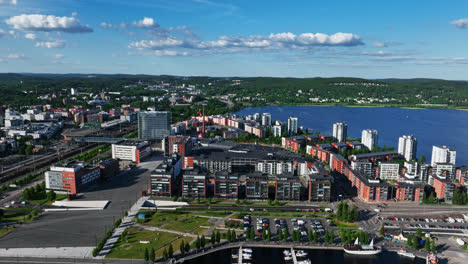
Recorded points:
(240, 255)
(294, 255)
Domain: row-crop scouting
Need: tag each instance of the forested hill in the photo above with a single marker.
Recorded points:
(254, 90)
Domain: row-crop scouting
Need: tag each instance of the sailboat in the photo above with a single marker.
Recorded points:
(357, 249)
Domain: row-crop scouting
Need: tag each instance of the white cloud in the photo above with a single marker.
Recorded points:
(146, 22)
(386, 44)
(379, 53)
(278, 41)
(31, 36)
(47, 23)
(8, 2)
(16, 56)
(57, 44)
(460, 23)
(2, 33)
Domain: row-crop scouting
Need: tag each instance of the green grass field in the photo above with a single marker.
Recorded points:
(187, 224)
(131, 248)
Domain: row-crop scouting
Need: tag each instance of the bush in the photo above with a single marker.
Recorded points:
(95, 252)
(117, 222)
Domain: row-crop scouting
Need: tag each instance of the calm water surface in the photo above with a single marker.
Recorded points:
(430, 126)
(275, 256)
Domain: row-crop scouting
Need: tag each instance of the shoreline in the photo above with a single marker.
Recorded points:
(231, 246)
(361, 106)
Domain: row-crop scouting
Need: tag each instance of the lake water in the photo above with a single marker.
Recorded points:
(430, 126)
(275, 256)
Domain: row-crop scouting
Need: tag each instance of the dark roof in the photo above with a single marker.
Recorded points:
(373, 154)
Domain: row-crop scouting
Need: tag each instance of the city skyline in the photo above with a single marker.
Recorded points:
(235, 38)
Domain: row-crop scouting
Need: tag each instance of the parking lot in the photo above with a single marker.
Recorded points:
(274, 224)
(84, 228)
(446, 224)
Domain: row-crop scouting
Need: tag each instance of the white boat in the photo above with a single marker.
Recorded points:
(246, 256)
(288, 257)
(235, 256)
(306, 261)
(357, 249)
(287, 252)
(301, 253)
(247, 250)
(404, 253)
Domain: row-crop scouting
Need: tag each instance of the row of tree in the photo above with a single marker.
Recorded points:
(344, 213)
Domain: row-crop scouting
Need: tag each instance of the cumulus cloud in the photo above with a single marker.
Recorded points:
(31, 36)
(278, 41)
(460, 23)
(56, 44)
(47, 23)
(8, 2)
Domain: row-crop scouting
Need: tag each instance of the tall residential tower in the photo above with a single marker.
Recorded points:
(340, 131)
(407, 147)
(369, 138)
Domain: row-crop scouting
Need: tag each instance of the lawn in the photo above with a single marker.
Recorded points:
(130, 248)
(175, 246)
(199, 231)
(339, 223)
(213, 213)
(188, 224)
(163, 217)
(5, 230)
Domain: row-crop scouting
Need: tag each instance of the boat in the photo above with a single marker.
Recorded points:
(288, 257)
(246, 256)
(301, 253)
(306, 261)
(235, 256)
(357, 249)
(404, 253)
(247, 250)
(432, 259)
(286, 252)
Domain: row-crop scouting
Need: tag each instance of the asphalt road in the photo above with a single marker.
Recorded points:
(84, 228)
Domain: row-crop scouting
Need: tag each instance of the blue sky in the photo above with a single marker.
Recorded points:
(370, 39)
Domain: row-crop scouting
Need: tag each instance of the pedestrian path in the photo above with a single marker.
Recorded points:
(126, 222)
(48, 252)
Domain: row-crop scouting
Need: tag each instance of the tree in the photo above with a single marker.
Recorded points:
(170, 251)
(146, 254)
(182, 247)
(409, 240)
(228, 235)
(269, 235)
(187, 247)
(152, 256)
(285, 235)
(277, 202)
(51, 195)
(382, 231)
(203, 241)
(422, 159)
(218, 236)
(427, 244)
(252, 234)
(433, 246)
(332, 237)
(233, 235)
(310, 236)
(315, 237)
(264, 234)
(269, 202)
(419, 232)
(213, 238)
(415, 242)
(198, 242)
(1, 213)
(165, 254)
(280, 235)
